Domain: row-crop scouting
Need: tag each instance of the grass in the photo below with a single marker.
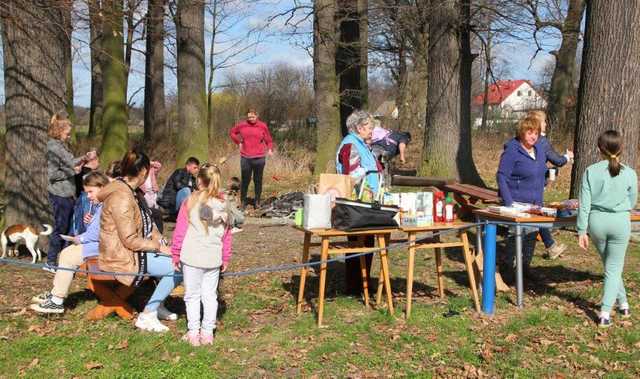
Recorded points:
(259, 334)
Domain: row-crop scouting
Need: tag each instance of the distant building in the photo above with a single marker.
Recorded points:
(510, 99)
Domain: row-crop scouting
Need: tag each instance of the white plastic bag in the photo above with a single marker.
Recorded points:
(317, 211)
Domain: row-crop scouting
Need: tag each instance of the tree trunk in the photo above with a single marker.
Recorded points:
(442, 137)
(128, 42)
(466, 166)
(327, 100)
(413, 105)
(34, 80)
(351, 57)
(67, 7)
(215, 133)
(114, 78)
(487, 76)
(155, 116)
(97, 105)
(607, 98)
(562, 81)
(192, 138)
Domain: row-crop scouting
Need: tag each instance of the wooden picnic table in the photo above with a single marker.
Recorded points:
(383, 239)
(534, 221)
(327, 247)
(438, 245)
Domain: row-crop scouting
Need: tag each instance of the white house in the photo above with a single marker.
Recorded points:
(511, 99)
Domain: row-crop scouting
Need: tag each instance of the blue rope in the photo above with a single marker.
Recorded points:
(259, 270)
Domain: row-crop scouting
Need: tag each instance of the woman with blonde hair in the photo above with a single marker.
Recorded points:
(554, 250)
(62, 168)
(201, 248)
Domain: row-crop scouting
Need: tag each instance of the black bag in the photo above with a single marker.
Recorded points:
(350, 215)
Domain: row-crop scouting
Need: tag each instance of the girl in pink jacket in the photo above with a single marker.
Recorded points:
(201, 249)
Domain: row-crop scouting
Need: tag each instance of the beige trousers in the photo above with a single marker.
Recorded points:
(70, 257)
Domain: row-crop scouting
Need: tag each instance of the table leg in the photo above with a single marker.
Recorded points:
(365, 280)
(304, 270)
(519, 282)
(489, 269)
(439, 272)
(324, 254)
(410, 265)
(478, 236)
(468, 260)
(382, 243)
(380, 287)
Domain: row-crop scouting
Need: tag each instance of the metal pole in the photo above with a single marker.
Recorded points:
(489, 270)
(519, 283)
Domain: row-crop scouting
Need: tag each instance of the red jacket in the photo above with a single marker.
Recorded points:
(255, 138)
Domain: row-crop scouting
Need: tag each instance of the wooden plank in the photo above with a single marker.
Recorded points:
(435, 227)
(419, 181)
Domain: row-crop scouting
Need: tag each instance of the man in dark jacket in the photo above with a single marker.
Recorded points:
(179, 186)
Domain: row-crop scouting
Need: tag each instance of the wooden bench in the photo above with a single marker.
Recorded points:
(112, 295)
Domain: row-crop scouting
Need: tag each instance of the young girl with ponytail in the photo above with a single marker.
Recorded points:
(201, 248)
(608, 193)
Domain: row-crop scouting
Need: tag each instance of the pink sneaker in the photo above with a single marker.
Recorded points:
(206, 338)
(193, 337)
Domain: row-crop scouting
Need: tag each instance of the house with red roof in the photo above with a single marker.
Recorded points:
(510, 99)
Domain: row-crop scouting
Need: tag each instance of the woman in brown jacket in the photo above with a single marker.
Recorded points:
(130, 241)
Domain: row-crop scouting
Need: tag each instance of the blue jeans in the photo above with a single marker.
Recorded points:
(62, 212)
(160, 265)
(547, 239)
(181, 196)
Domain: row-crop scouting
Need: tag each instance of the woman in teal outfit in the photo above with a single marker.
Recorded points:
(608, 194)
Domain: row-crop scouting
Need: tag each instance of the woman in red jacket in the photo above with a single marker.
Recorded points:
(254, 139)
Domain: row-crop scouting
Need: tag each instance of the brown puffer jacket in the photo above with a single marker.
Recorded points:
(121, 231)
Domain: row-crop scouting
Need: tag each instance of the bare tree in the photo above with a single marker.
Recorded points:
(606, 100)
(444, 152)
(399, 44)
(114, 80)
(34, 78)
(351, 57)
(95, 45)
(327, 99)
(193, 137)
(155, 116)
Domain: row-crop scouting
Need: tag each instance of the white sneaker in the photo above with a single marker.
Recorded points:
(39, 299)
(165, 314)
(149, 321)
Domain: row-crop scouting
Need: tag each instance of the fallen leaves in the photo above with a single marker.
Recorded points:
(93, 366)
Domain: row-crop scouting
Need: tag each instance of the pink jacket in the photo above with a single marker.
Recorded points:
(182, 223)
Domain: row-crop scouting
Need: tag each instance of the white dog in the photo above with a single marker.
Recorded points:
(14, 235)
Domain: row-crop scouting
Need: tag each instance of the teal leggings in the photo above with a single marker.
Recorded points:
(610, 234)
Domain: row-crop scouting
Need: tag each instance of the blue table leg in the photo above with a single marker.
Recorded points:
(489, 270)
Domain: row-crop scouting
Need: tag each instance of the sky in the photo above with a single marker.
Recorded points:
(264, 40)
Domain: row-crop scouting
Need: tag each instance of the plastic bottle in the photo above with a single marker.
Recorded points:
(438, 206)
(448, 209)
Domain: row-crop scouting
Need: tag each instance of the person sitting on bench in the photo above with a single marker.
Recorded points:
(84, 246)
(130, 241)
(389, 143)
(179, 186)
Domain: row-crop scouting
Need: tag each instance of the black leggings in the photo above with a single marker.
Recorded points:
(248, 167)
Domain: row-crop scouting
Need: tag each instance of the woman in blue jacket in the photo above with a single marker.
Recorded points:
(521, 178)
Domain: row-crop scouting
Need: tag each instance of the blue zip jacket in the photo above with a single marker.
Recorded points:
(552, 156)
(520, 177)
(90, 239)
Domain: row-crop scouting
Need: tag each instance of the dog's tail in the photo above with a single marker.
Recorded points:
(48, 230)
